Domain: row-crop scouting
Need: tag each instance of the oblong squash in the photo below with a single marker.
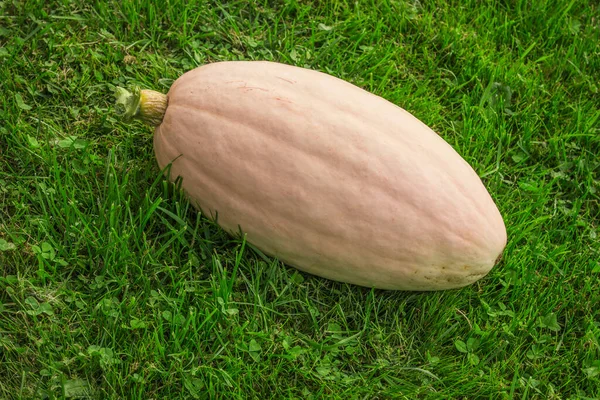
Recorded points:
(325, 176)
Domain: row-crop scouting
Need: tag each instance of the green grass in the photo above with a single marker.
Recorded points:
(112, 286)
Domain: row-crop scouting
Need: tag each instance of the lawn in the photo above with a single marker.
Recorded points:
(112, 286)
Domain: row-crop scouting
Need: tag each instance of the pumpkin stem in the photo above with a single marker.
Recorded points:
(146, 105)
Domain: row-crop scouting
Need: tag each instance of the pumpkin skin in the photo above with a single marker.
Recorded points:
(327, 177)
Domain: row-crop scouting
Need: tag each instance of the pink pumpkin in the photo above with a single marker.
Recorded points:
(325, 176)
